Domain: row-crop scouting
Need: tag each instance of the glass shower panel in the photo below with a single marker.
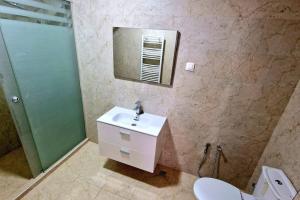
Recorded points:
(43, 59)
(10, 89)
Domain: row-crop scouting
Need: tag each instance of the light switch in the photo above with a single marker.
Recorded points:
(190, 66)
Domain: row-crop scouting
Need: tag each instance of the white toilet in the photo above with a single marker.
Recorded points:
(273, 184)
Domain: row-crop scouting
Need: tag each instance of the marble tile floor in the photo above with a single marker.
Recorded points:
(88, 176)
(14, 173)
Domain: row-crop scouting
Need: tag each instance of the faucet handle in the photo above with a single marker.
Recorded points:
(138, 107)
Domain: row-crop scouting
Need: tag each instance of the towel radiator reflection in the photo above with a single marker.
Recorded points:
(152, 58)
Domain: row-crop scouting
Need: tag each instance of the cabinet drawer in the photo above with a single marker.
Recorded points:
(127, 156)
(139, 142)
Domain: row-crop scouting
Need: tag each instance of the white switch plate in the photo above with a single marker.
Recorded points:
(190, 66)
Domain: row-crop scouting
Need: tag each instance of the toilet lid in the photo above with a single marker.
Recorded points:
(213, 189)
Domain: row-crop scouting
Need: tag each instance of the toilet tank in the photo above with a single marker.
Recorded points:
(273, 184)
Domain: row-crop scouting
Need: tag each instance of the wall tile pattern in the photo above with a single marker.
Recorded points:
(248, 64)
(282, 150)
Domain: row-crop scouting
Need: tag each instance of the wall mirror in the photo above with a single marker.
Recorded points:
(145, 55)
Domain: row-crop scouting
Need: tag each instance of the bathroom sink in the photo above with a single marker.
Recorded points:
(137, 142)
(125, 118)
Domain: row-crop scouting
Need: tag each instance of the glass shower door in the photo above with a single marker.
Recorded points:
(10, 89)
(43, 60)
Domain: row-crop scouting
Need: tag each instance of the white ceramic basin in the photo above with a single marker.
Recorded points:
(122, 117)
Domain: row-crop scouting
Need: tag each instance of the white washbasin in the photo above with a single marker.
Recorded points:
(127, 119)
(122, 117)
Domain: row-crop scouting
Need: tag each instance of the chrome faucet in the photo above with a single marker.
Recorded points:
(138, 110)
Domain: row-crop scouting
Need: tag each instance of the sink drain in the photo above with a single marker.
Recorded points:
(133, 124)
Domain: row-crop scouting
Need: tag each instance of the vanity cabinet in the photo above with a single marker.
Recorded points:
(130, 147)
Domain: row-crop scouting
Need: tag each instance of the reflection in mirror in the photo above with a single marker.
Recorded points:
(144, 54)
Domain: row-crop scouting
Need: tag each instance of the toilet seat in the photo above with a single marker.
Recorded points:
(213, 189)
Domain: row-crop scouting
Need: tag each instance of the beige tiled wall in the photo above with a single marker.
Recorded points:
(247, 55)
(283, 149)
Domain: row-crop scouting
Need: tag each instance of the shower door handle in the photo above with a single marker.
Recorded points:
(15, 99)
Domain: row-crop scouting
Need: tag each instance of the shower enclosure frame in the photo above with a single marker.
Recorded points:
(40, 144)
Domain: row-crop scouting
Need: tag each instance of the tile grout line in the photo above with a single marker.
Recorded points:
(36, 181)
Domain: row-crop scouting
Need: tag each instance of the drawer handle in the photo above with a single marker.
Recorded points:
(123, 133)
(124, 151)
